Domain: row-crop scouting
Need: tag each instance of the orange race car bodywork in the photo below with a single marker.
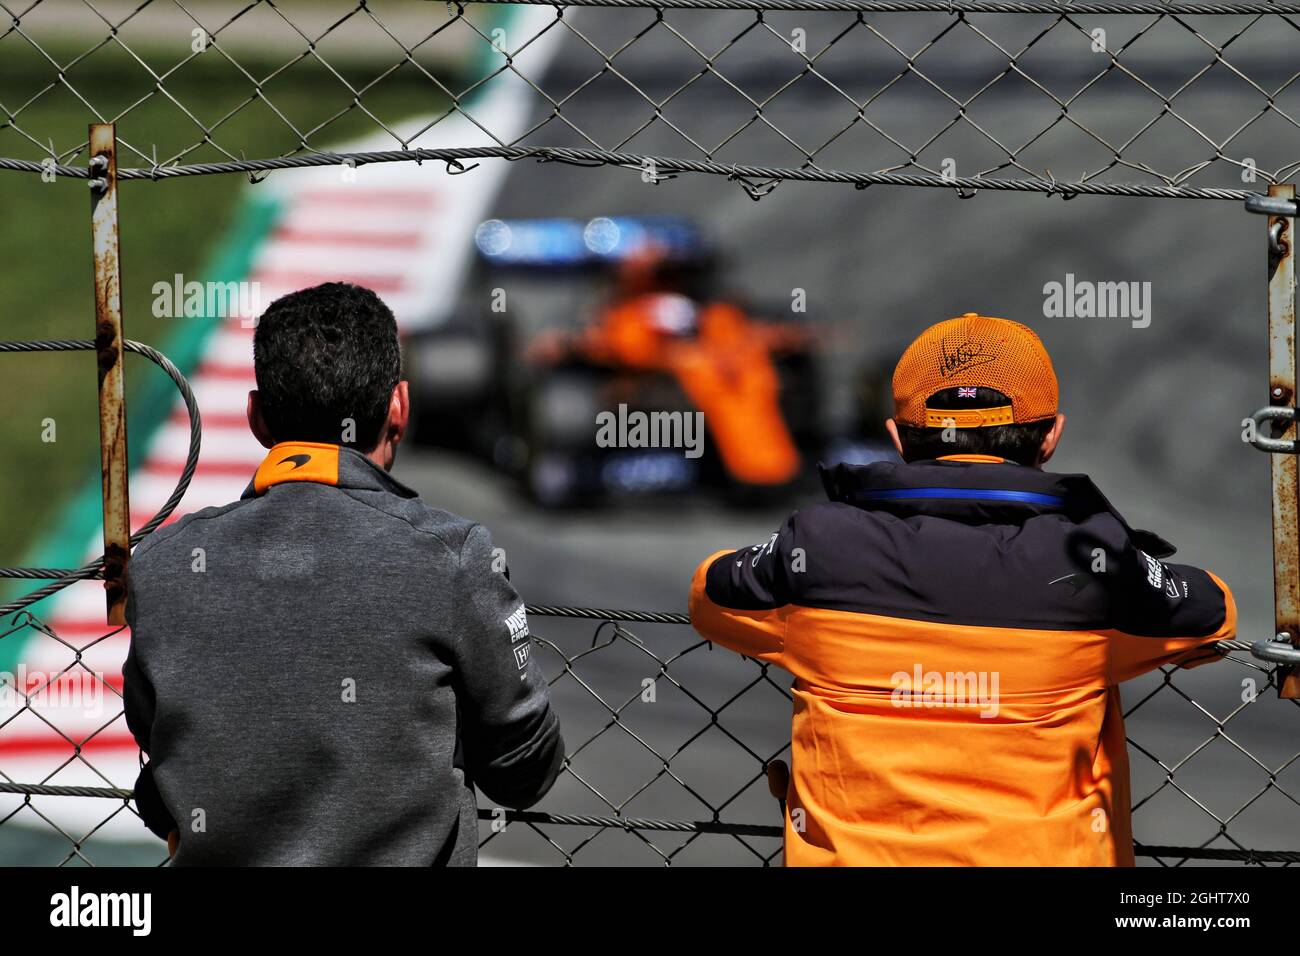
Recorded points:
(726, 367)
(621, 315)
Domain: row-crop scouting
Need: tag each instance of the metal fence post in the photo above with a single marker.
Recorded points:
(1285, 468)
(109, 357)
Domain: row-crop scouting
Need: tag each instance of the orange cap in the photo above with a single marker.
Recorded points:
(979, 351)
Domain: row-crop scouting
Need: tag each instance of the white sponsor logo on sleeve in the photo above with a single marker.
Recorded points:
(517, 624)
(1155, 571)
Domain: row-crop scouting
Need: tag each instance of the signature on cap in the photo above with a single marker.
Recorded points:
(967, 355)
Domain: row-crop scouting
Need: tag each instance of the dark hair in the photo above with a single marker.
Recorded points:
(1018, 443)
(324, 355)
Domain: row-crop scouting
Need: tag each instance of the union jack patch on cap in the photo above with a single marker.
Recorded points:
(965, 392)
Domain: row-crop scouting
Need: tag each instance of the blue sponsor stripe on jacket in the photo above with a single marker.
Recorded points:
(962, 494)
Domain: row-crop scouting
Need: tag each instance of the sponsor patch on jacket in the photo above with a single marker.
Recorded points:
(762, 550)
(517, 625)
(1155, 571)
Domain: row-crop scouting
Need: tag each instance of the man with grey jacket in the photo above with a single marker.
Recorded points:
(322, 671)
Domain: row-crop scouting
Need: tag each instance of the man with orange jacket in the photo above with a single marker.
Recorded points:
(957, 626)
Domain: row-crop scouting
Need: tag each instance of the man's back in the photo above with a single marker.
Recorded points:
(956, 630)
(321, 670)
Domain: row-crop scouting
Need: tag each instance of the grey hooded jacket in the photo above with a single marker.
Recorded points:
(322, 671)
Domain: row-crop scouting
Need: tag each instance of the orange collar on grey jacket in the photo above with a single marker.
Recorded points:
(325, 464)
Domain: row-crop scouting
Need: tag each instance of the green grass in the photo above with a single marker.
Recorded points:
(167, 227)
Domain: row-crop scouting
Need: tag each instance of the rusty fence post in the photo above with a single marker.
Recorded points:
(109, 356)
(1285, 467)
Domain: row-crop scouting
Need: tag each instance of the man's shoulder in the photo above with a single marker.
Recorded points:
(829, 522)
(829, 519)
(389, 517)
(426, 522)
(183, 529)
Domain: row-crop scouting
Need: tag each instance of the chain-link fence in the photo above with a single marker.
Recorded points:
(665, 721)
(1178, 99)
(669, 740)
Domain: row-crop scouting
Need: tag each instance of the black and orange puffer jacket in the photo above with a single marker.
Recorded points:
(957, 630)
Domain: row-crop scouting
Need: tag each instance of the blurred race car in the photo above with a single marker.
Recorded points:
(570, 324)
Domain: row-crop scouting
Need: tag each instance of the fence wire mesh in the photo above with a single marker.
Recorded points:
(1192, 100)
(1181, 100)
(665, 721)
